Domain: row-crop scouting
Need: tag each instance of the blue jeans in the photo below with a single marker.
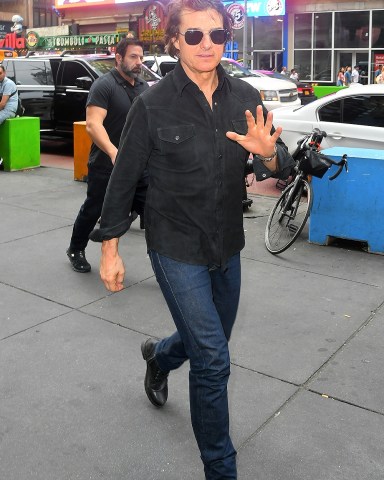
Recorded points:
(203, 301)
(6, 113)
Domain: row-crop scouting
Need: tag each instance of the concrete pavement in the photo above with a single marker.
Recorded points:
(306, 390)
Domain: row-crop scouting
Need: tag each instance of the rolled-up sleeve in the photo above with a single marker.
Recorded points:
(284, 160)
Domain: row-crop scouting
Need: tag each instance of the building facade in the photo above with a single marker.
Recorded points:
(323, 39)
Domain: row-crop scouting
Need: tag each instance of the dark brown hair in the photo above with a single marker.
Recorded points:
(122, 46)
(175, 8)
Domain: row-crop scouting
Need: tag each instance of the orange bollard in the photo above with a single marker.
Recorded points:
(81, 148)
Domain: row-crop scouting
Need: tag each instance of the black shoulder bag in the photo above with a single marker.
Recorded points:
(20, 109)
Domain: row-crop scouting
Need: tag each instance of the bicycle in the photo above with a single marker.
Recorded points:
(291, 211)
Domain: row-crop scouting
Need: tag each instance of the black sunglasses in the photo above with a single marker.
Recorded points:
(194, 36)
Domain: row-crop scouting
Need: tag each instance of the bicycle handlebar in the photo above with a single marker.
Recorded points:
(341, 164)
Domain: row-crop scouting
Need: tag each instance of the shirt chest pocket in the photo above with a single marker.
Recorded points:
(240, 127)
(177, 140)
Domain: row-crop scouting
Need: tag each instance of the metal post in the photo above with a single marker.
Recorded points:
(245, 35)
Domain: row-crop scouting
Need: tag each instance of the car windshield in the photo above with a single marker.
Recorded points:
(102, 65)
(236, 70)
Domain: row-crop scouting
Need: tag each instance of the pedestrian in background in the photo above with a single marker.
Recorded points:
(9, 96)
(108, 103)
(284, 71)
(355, 75)
(340, 77)
(181, 129)
(347, 76)
(294, 75)
(380, 78)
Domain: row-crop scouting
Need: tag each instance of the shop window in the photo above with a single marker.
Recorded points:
(268, 33)
(322, 60)
(377, 29)
(322, 30)
(352, 29)
(302, 64)
(303, 30)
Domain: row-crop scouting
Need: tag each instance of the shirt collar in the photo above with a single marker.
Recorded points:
(181, 79)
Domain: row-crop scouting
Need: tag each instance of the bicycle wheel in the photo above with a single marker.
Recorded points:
(288, 217)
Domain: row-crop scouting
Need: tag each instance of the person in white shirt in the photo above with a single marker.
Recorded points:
(355, 74)
(294, 75)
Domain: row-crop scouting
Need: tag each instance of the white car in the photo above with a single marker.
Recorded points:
(352, 117)
(160, 64)
(274, 92)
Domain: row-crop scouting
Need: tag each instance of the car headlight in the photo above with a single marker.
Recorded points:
(269, 95)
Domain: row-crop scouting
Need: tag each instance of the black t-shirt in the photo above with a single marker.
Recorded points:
(114, 94)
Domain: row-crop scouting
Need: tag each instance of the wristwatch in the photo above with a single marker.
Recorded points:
(268, 159)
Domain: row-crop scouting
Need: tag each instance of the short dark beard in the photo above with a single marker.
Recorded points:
(129, 73)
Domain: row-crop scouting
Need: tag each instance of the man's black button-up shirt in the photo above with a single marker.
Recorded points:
(193, 208)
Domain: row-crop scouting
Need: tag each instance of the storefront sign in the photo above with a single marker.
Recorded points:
(152, 23)
(59, 4)
(32, 39)
(70, 41)
(12, 41)
(237, 13)
(261, 8)
(379, 59)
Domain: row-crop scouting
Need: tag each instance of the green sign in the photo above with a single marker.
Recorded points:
(75, 41)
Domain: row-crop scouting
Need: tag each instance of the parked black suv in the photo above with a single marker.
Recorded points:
(55, 88)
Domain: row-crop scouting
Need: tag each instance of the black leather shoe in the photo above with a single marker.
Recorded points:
(156, 381)
(78, 261)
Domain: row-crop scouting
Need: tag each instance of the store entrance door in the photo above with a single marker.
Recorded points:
(351, 59)
(267, 60)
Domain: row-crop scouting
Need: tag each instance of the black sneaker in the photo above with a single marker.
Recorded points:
(78, 261)
(156, 381)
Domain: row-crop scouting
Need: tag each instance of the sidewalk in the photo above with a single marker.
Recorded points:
(306, 389)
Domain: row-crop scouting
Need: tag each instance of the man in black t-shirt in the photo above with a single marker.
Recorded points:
(109, 101)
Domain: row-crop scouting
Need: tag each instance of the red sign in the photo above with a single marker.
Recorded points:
(59, 4)
(378, 59)
(152, 23)
(12, 41)
(237, 13)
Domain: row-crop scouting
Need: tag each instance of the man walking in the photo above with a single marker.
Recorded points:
(109, 101)
(193, 131)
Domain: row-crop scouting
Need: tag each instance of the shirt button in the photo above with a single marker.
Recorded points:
(220, 157)
(177, 137)
(264, 175)
(216, 104)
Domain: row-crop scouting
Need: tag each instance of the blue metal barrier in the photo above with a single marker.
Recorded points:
(351, 206)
